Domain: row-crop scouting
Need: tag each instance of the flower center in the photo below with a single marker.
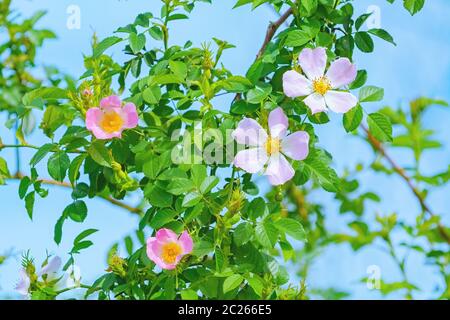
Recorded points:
(170, 252)
(273, 146)
(111, 122)
(321, 85)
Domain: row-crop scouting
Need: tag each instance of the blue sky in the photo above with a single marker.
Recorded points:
(419, 65)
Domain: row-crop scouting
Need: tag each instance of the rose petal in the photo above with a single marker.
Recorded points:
(316, 103)
(24, 283)
(313, 62)
(279, 170)
(186, 242)
(249, 132)
(278, 123)
(340, 102)
(52, 266)
(295, 84)
(166, 235)
(341, 73)
(296, 145)
(251, 160)
(130, 116)
(110, 102)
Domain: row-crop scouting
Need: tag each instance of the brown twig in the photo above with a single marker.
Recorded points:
(401, 172)
(134, 210)
(273, 27)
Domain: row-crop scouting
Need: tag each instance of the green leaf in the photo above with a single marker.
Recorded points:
(57, 165)
(162, 217)
(257, 208)
(178, 68)
(163, 79)
(189, 294)
(413, 6)
(380, 127)
(371, 94)
(57, 235)
(77, 211)
(318, 164)
(361, 78)
(158, 197)
(363, 41)
(23, 186)
(152, 95)
(292, 227)
(54, 117)
(137, 42)
(352, 118)
(361, 19)
(100, 154)
(74, 168)
(232, 282)
(242, 234)
(256, 283)
(266, 234)
(241, 3)
(44, 93)
(258, 94)
(180, 186)
(83, 235)
(383, 34)
(191, 199)
(103, 45)
(29, 204)
(41, 153)
(198, 174)
(208, 184)
(202, 248)
(297, 38)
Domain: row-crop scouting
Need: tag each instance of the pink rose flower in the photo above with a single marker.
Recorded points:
(166, 249)
(318, 86)
(110, 119)
(270, 149)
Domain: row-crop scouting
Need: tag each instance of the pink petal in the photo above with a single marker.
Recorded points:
(251, 160)
(110, 102)
(339, 101)
(313, 62)
(186, 242)
(316, 103)
(249, 132)
(278, 123)
(130, 116)
(341, 72)
(166, 235)
(24, 283)
(93, 117)
(295, 84)
(154, 252)
(279, 170)
(52, 266)
(296, 145)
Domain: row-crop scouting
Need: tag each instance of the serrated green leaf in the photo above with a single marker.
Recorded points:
(380, 127)
(232, 282)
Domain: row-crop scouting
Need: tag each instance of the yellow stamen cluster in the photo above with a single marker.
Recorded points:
(170, 252)
(111, 122)
(273, 146)
(321, 85)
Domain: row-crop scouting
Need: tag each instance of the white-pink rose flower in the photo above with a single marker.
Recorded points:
(318, 87)
(270, 149)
